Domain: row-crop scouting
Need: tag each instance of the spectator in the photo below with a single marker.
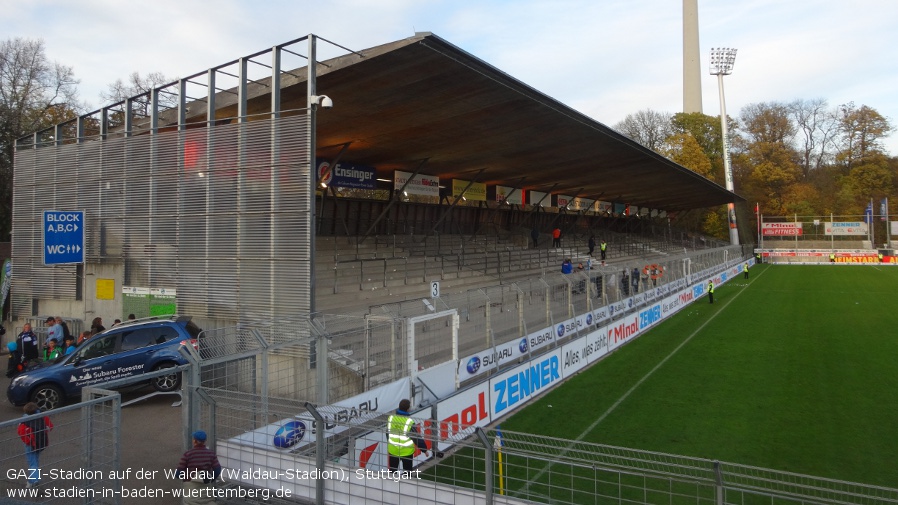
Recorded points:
(634, 278)
(84, 336)
(14, 364)
(566, 266)
(131, 317)
(52, 351)
(26, 342)
(598, 281)
(534, 234)
(116, 323)
(65, 327)
(556, 237)
(198, 468)
(33, 433)
(591, 244)
(581, 285)
(69, 346)
(97, 326)
(54, 331)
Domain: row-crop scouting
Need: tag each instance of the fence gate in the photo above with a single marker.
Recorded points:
(432, 339)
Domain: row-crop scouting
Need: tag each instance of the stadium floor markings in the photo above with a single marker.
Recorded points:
(630, 391)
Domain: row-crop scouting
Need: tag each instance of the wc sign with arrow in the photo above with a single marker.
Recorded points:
(63, 237)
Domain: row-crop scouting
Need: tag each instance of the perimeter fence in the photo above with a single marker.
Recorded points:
(82, 451)
(486, 466)
(252, 376)
(825, 232)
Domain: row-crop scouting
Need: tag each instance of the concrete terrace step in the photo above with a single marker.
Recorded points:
(346, 278)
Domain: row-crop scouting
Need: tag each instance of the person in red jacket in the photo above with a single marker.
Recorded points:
(556, 237)
(34, 433)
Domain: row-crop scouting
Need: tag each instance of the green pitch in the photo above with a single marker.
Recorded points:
(795, 369)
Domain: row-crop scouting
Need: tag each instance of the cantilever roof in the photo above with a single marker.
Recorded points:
(424, 98)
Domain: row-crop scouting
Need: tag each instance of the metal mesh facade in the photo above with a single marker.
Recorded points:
(222, 214)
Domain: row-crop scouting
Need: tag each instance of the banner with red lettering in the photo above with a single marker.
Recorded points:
(780, 229)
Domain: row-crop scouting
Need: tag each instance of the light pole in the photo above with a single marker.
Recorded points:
(722, 64)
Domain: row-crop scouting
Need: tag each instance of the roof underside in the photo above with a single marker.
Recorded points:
(423, 98)
(422, 102)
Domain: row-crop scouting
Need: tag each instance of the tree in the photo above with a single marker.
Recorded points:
(816, 128)
(649, 128)
(767, 123)
(706, 131)
(35, 93)
(773, 174)
(683, 149)
(802, 199)
(140, 87)
(861, 129)
(871, 179)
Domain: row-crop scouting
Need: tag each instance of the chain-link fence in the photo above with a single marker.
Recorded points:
(532, 309)
(76, 464)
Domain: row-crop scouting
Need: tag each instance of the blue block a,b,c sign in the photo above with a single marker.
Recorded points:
(63, 237)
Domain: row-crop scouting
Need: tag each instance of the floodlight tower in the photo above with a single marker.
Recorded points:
(722, 60)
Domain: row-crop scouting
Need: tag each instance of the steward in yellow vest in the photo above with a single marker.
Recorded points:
(402, 438)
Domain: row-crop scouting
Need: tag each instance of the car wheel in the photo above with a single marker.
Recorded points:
(47, 397)
(166, 383)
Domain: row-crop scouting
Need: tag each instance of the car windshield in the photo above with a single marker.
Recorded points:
(97, 347)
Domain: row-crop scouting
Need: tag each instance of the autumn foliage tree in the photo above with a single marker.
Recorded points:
(35, 93)
(795, 158)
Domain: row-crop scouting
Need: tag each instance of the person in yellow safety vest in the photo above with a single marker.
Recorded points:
(880, 257)
(402, 438)
(745, 270)
(710, 291)
(832, 257)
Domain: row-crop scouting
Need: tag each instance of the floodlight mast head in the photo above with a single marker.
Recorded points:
(722, 59)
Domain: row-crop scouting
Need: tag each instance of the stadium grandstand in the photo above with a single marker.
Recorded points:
(371, 227)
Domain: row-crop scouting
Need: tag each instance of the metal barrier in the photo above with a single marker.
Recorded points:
(82, 451)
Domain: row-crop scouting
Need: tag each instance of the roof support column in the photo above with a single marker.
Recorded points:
(457, 199)
(393, 200)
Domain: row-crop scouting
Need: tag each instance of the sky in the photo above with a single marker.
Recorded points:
(604, 58)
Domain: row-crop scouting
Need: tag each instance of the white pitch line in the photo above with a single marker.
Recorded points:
(627, 394)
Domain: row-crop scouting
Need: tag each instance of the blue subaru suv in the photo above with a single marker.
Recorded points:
(128, 349)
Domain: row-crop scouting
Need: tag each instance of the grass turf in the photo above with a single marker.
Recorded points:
(794, 369)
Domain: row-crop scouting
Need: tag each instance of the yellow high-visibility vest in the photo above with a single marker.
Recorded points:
(398, 441)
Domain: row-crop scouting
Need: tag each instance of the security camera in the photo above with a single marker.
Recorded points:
(323, 100)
